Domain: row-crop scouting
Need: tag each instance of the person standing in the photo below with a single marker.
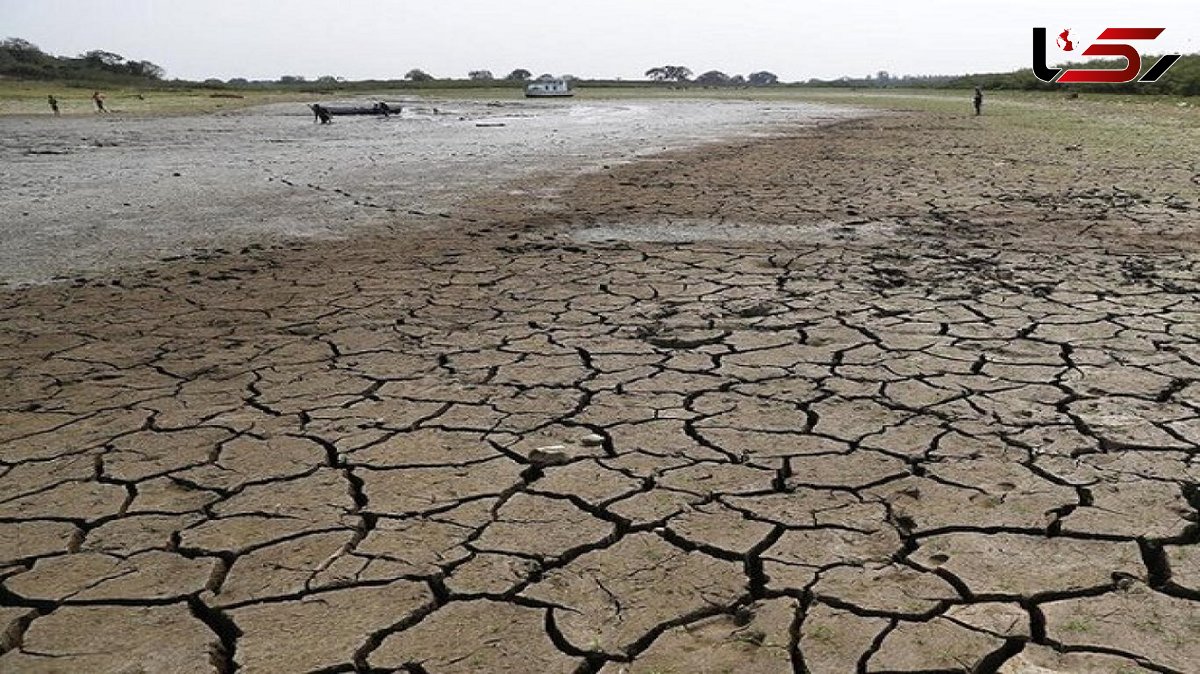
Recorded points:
(53, 104)
(98, 99)
(978, 101)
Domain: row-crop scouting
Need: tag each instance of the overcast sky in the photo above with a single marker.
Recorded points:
(359, 39)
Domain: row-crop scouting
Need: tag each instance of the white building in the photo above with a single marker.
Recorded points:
(556, 87)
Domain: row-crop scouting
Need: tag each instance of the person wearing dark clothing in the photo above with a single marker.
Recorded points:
(978, 101)
(321, 114)
(383, 108)
(98, 99)
(53, 104)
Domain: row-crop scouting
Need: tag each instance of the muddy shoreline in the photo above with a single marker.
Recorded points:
(88, 194)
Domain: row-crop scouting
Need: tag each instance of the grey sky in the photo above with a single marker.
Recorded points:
(360, 39)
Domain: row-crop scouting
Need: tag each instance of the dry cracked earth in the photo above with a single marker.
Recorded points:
(849, 400)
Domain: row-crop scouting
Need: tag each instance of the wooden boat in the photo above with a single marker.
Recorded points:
(380, 108)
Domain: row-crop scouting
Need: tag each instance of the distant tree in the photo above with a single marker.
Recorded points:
(669, 74)
(145, 69)
(238, 82)
(546, 77)
(763, 78)
(21, 50)
(213, 82)
(328, 80)
(713, 78)
(518, 75)
(737, 79)
(99, 58)
(481, 75)
(418, 75)
(292, 79)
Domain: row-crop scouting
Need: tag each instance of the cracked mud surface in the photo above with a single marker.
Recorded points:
(772, 406)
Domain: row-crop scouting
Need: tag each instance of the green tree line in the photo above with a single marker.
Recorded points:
(1183, 79)
(23, 59)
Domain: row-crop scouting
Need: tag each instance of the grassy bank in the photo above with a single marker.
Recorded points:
(29, 98)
